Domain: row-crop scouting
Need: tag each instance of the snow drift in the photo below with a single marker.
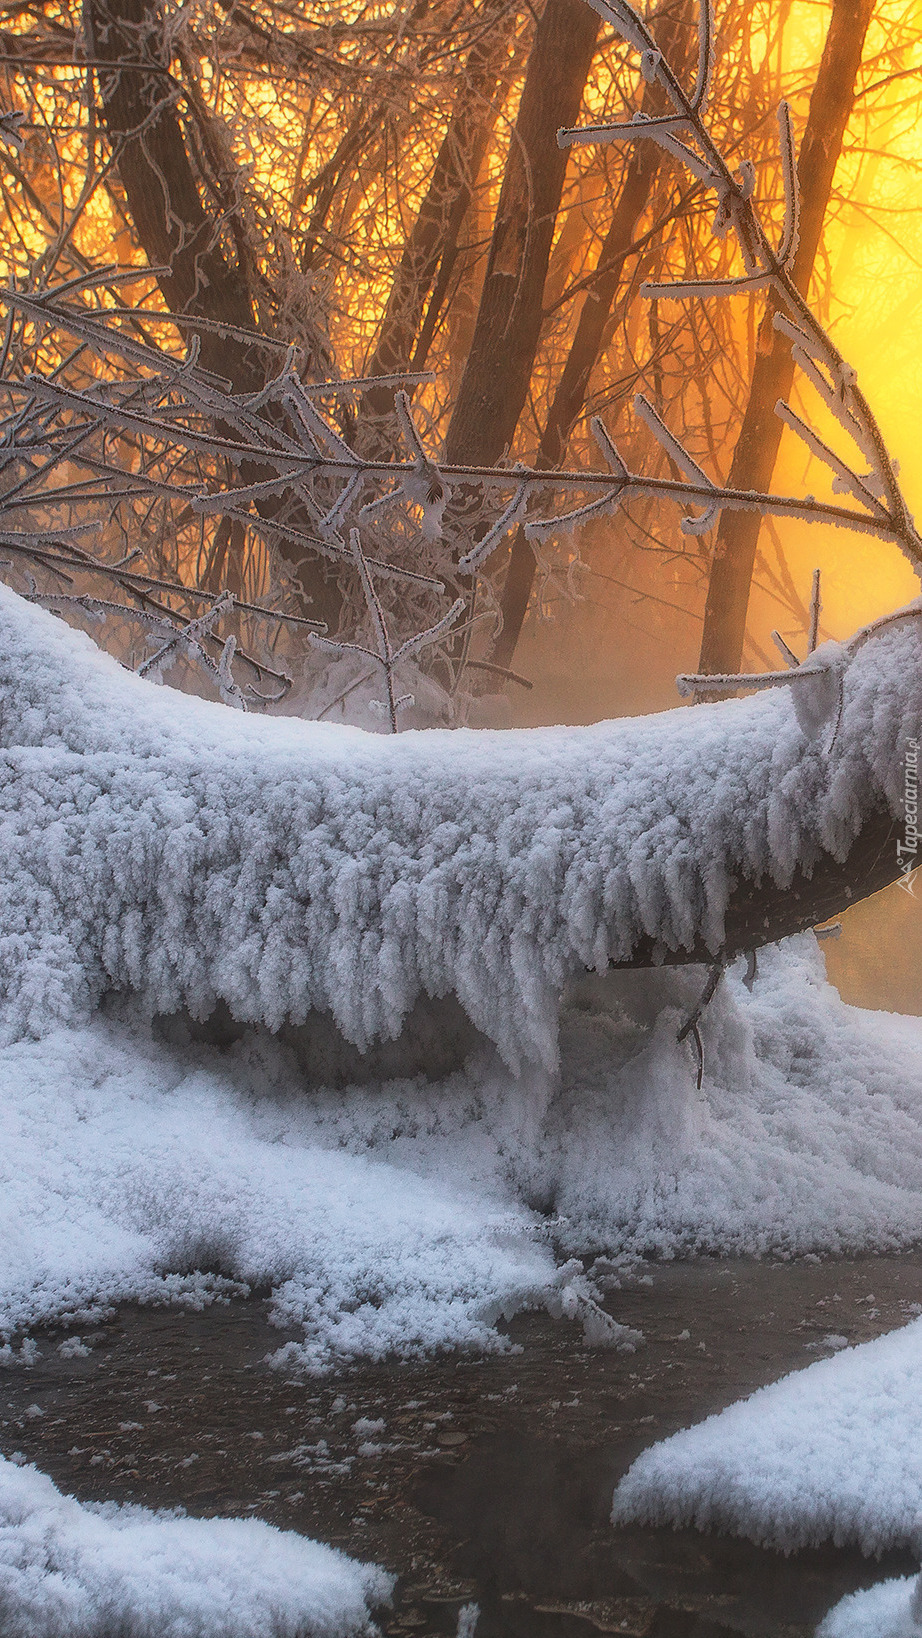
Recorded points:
(831, 1453)
(135, 1169)
(128, 1168)
(159, 844)
(72, 1571)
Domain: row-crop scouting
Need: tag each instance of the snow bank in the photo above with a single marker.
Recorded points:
(806, 1134)
(889, 1610)
(831, 1453)
(164, 845)
(406, 1216)
(124, 1167)
(72, 1571)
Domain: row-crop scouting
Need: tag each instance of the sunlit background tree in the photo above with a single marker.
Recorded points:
(381, 190)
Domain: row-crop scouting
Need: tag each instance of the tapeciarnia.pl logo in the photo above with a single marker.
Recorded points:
(907, 850)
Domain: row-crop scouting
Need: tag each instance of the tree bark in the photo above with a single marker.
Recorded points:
(759, 439)
(573, 386)
(434, 235)
(494, 385)
(178, 233)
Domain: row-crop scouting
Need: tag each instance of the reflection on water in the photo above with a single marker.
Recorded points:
(536, 1543)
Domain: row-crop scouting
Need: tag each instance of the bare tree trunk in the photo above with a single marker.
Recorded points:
(494, 385)
(434, 235)
(573, 386)
(570, 395)
(760, 435)
(176, 231)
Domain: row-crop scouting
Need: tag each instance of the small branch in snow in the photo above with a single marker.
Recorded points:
(690, 1026)
(815, 611)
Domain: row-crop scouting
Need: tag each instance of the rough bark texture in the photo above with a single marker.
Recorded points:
(495, 381)
(760, 435)
(434, 235)
(761, 913)
(178, 233)
(175, 230)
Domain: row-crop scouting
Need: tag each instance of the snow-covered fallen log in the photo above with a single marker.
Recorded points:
(72, 1571)
(160, 844)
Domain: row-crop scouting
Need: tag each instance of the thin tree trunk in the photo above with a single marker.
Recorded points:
(757, 447)
(494, 385)
(434, 235)
(570, 395)
(573, 386)
(177, 232)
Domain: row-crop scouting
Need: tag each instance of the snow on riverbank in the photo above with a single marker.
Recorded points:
(72, 1571)
(408, 1216)
(889, 1610)
(805, 1136)
(830, 1453)
(122, 1162)
(176, 849)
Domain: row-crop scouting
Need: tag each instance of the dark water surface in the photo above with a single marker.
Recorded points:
(491, 1479)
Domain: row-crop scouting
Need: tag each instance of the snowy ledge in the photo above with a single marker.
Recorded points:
(156, 843)
(830, 1453)
(72, 1571)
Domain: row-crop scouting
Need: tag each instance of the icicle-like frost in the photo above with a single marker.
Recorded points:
(161, 844)
(513, 512)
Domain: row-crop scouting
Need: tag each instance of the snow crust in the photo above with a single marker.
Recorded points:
(831, 1453)
(73, 1571)
(888, 1610)
(154, 843)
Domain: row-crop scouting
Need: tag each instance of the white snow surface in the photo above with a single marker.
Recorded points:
(408, 1215)
(830, 1453)
(73, 1571)
(126, 1169)
(888, 1610)
(155, 843)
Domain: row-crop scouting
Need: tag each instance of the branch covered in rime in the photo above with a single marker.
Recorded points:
(685, 135)
(384, 656)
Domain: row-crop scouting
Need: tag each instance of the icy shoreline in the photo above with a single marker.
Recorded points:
(74, 1571)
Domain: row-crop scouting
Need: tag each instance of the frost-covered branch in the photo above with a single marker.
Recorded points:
(685, 135)
(121, 422)
(384, 656)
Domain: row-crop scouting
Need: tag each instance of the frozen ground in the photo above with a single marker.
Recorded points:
(172, 851)
(72, 1571)
(129, 1171)
(173, 854)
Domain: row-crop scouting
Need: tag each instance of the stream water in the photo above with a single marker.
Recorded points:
(475, 1479)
